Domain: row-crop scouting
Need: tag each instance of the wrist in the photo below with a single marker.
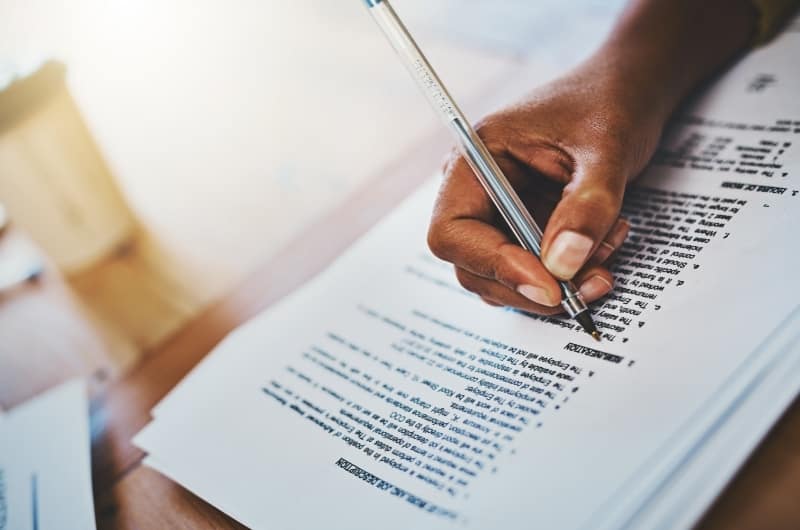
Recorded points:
(636, 95)
(659, 52)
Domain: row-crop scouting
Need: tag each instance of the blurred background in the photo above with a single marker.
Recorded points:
(155, 153)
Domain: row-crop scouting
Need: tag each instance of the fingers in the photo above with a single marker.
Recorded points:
(482, 250)
(593, 283)
(461, 233)
(615, 238)
(495, 293)
(582, 220)
(583, 231)
(491, 302)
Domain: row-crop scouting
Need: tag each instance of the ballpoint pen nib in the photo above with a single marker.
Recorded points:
(584, 318)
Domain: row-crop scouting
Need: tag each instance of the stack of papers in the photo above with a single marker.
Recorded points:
(382, 395)
(45, 471)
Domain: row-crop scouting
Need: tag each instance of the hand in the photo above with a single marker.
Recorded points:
(569, 149)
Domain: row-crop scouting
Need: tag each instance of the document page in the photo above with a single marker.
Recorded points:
(729, 439)
(45, 469)
(384, 395)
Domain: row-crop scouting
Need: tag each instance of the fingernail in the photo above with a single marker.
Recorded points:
(594, 287)
(537, 294)
(567, 254)
(618, 234)
(603, 252)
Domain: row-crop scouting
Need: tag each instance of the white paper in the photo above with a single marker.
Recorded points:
(272, 429)
(730, 439)
(45, 469)
(249, 340)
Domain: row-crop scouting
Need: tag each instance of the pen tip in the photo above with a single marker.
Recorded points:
(585, 320)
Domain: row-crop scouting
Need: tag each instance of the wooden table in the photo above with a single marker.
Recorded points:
(764, 494)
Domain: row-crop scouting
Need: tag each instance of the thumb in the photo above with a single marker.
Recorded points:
(587, 211)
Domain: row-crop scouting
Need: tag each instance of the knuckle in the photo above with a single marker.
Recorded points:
(449, 161)
(494, 131)
(601, 201)
(488, 125)
(607, 202)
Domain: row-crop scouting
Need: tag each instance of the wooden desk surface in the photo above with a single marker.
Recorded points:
(128, 495)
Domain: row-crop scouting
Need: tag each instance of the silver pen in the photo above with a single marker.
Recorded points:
(474, 151)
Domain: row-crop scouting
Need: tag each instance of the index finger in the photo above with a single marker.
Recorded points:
(462, 232)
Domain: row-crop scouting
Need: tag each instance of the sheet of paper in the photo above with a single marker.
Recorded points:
(45, 469)
(693, 485)
(382, 394)
(680, 466)
(242, 338)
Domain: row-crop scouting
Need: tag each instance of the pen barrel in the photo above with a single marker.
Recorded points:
(472, 148)
(510, 206)
(414, 60)
(571, 300)
(497, 186)
(474, 151)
